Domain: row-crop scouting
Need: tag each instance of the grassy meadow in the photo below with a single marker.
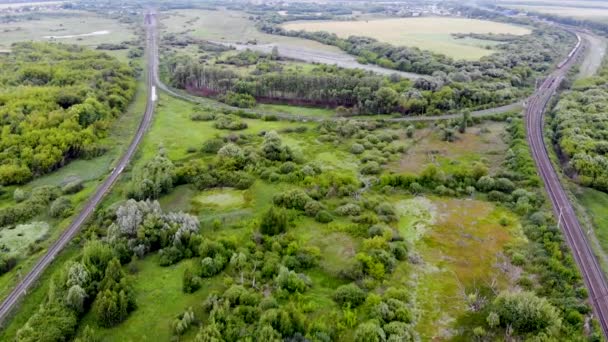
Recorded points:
(42, 25)
(429, 33)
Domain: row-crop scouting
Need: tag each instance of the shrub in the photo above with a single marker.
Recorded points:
(357, 148)
(212, 145)
(239, 100)
(350, 295)
(20, 195)
(371, 168)
(230, 122)
(274, 221)
(323, 216)
(202, 117)
(349, 209)
(72, 187)
(526, 313)
(61, 207)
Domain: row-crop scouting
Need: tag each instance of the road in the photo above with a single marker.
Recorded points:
(567, 219)
(152, 61)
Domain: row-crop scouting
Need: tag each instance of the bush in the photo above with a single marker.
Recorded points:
(349, 209)
(371, 168)
(350, 295)
(357, 148)
(61, 207)
(274, 222)
(230, 122)
(212, 145)
(323, 216)
(202, 117)
(20, 195)
(238, 100)
(526, 313)
(72, 187)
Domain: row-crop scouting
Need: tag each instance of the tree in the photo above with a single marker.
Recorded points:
(274, 221)
(75, 298)
(526, 313)
(154, 179)
(464, 121)
(350, 295)
(369, 332)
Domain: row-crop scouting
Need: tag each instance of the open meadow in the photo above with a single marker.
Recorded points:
(69, 27)
(432, 33)
(230, 26)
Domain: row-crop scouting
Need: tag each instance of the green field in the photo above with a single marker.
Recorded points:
(229, 26)
(430, 33)
(66, 23)
(596, 14)
(596, 202)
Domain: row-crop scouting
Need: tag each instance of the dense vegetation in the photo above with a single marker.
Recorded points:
(356, 91)
(274, 284)
(56, 101)
(580, 126)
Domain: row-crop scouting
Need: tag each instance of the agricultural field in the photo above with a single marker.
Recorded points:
(433, 33)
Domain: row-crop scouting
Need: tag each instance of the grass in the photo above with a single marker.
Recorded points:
(460, 247)
(63, 23)
(596, 203)
(175, 131)
(19, 238)
(296, 110)
(597, 14)
(159, 300)
(229, 26)
(428, 33)
(483, 142)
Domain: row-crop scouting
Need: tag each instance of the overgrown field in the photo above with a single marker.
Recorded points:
(432, 33)
(275, 229)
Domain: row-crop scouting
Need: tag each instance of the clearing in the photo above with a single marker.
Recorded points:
(432, 33)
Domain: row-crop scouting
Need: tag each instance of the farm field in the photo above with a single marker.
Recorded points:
(67, 26)
(433, 33)
(597, 14)
(230, 26)
(595, 202)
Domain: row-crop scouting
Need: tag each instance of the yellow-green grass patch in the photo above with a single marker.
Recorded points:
(483, 142)
(462, 253)
(428, 33)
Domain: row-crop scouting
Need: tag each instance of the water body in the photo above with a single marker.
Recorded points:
(96, 33)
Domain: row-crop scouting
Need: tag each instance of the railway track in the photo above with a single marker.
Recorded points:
(30, 278)
(568, 222)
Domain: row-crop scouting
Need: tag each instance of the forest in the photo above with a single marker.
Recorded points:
(355, 91)
(580, 126)
(56, 101)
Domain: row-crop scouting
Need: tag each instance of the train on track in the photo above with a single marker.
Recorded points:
(572, 52)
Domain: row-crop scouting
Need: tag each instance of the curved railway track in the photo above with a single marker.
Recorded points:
(568, 222)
